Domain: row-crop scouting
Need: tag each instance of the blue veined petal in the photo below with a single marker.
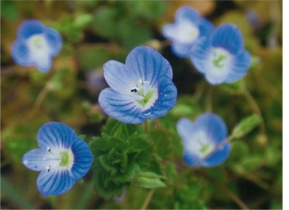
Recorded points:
(119, 106)
(200, 54)
(21, 54)
(181, 50)
(42, 61)
(167, 96)
(218, 157)
(55, 135)
(214, 127)
(187, 13)
(82, 159)
(119, 77)
(53, 40)
(38, 159)
(54, 182)
(148, 64)
(190, 158)
(239, 67)
(30, 27)
(229, 37)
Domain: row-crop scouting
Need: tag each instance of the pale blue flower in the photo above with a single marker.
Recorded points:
(63, 158)
(222, 57)
(36, 45)
(189, 26)
(140, 89)
(201, 137)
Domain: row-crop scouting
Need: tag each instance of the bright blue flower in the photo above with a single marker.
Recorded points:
(189, 26)
(201, 137)
(140, 89)
(36, 45)
(63, 158)
(222, 57)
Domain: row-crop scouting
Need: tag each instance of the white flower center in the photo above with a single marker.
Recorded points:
(37, 43)
(201, 144)
(62, 159)
(186, 32)
(220, 58)
(143, 94)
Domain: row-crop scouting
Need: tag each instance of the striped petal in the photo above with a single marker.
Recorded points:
(53, 40)
(54, 182)
(38, 159)
(82, 159)
(29, 28)
(21, 54)
(120, 107)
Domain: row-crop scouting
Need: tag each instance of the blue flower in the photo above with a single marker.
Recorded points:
(36, 44)
(201, 138)
(140, 89)
(188, 28)
(222, 57)
(63, 158)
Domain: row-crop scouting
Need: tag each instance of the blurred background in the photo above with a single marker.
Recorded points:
(94, 32)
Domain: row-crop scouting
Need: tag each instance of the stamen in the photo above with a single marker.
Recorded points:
(48, 149)
(48, 168)
(133, 90)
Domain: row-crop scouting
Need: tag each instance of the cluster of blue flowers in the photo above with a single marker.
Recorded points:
(140, 89)
(217, 53)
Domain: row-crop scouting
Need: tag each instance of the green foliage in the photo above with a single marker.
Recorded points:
(122, 154)
(149, 180)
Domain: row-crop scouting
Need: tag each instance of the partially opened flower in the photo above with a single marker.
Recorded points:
(188, 27)
(222, 57)
(36, 45)
(140, 89)
(62, 158)
(201, 137)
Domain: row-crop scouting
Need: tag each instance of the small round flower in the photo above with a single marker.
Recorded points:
(140, 89)
(201, 137)
(36, 45)
(222, 57)
(188, 27)
(63, 158)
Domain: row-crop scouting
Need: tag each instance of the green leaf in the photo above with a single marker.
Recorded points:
(13, 194)
(246, 125)
(83, 20)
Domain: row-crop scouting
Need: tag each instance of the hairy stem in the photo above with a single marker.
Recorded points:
(148, 199)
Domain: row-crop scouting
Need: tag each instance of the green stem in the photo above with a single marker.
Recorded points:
(148, 199)
(146, 125)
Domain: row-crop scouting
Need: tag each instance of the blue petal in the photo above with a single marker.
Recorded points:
(54, 41)
(205, 28)
(190, 158)
(54, 182)
(218, 157)
(229, 37)
(200, 54)
(240, 66)
(167, 96)
(118, 77)
(20, 53)
(186, 129)
(187, 13)
(148, 64)
(214, 127)
(37, 159)
(29, 28)
(82, 159)
(120, 107)
(181, 50)
(42, 62)
(56, 135)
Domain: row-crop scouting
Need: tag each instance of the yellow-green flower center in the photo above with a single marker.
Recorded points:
(66, 159)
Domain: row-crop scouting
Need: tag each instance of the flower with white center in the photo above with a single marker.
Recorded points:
(201, 137)
(188, 27)
(222, 57)
(63, 158)
(36, 45)
(140, 89)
